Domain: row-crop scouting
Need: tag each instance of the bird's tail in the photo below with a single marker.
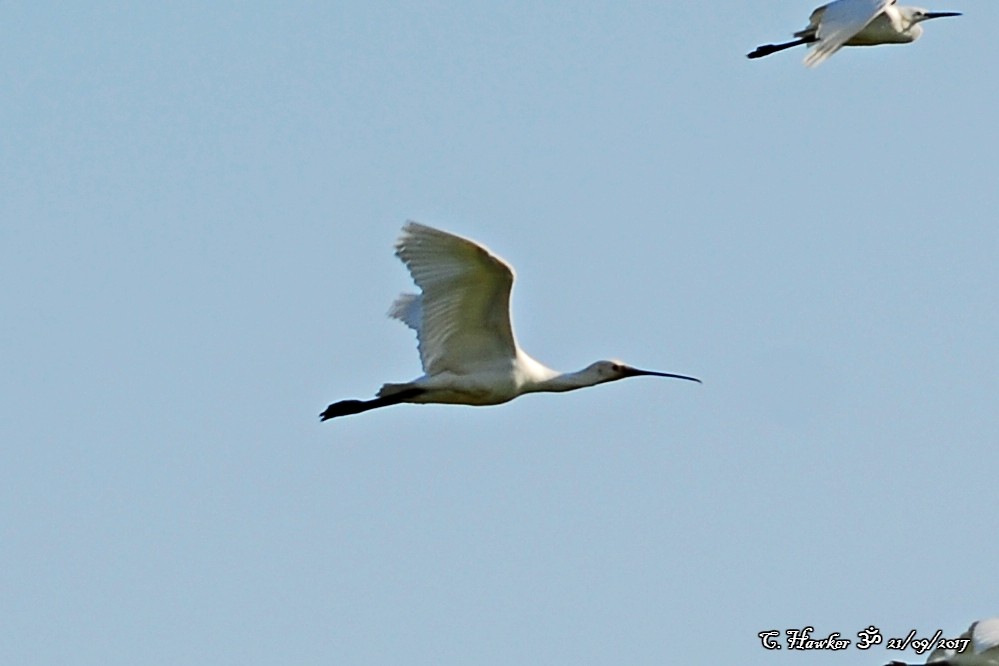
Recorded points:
(392, 390)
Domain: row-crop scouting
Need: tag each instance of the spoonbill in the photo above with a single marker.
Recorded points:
(465, 338)
(980, 649)
(855, 23)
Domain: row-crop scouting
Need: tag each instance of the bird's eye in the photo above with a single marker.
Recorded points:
(615, 367)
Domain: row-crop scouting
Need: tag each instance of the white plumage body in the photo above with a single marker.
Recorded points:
(855, 23)
(465, 337)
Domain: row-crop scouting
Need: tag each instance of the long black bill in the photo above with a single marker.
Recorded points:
(930, 15)
(635, 372)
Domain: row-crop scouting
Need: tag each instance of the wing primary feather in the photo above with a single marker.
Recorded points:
(408, 309)
(462, 315)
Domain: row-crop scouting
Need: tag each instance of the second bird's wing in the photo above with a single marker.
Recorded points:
(985, 638)
(982, 650)
(839, 22)
(462, 318)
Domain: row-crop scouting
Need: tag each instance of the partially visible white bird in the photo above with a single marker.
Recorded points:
(466, 341)
(855, 23)
(981, 648)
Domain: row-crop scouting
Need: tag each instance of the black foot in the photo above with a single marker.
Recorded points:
(348, 407)
(344, 408)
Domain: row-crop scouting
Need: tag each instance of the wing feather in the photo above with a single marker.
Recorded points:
(985, 637)
(840, 21)
(462, 316)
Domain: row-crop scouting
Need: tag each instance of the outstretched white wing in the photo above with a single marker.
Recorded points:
(462, 318)
(983, 649)
(985, 640)
(839, 21)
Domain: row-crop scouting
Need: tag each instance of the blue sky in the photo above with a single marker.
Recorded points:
(199, 202)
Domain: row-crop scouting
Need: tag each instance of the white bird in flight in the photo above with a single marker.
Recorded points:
(855, 23)
(980, 649)
(462, 323)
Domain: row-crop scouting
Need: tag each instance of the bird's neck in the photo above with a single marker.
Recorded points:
(905, 23)
(537, 377)
(565, 381)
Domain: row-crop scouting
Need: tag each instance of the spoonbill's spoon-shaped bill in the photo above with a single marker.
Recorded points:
(466, 342)
(855, 23)
(978, 646)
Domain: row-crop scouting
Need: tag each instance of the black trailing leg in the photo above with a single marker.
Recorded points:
(348, 407)
(767, 49)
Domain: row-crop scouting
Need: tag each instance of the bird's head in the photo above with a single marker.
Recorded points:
(914, 15)
(609, 371)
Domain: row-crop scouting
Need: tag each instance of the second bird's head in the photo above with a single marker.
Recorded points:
(914, 15)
